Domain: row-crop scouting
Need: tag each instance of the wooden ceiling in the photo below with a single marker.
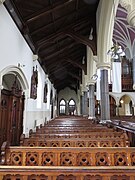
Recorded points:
(58, 32)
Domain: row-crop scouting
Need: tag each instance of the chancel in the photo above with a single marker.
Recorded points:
(67, 90)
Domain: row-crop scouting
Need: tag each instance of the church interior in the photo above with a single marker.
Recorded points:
(67, 90)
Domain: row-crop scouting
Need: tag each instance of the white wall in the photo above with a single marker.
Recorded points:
(67, 94)
(14, 50)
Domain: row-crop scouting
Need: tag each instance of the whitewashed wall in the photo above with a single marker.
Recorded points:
(14, 50)
(67, 94)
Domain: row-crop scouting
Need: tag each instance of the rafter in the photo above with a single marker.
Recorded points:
(60, 51)
(56, 69)
(76, 26)
(71, 48)
(67, 84)
(55, 66)
(67, 81)
(81, 66)
(74, 76)
(82, 39)
(47, 10)
(29, 5)
(66, 60)
(59, 33)
(74, 55)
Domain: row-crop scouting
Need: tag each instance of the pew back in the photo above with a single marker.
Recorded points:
(54, 156)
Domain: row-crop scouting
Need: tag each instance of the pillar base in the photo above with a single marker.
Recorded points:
(91, 118)
(85, 115)
(104, 121)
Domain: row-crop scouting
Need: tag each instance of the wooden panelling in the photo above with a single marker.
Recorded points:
(66, 173)
(65, 156)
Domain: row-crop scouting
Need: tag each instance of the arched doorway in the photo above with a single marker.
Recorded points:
(71, 107)
(12, 106)
(14, 84)
(125, 106)
(62, 107)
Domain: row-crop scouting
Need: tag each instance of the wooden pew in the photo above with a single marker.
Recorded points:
(69, 130)
(66, 173)
(91, 135)
(115, 139)
(103, 142)
(55, 156)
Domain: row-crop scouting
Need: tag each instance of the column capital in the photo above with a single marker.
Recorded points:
(103, 65)
(85, 89)
(91, 83)
(129, 5)
(95, 58)
(2, 1)
(126, 4)
(131, 18)
(1, 87)
(35, 57)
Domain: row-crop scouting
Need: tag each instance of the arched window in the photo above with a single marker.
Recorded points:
(62, 107)
(71, 107)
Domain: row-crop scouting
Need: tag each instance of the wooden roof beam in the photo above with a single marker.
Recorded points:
(60, 51)
(68, 81)
(81, 66)
(47, 10)
(74, 76)
(59, 33)
(59, 69)
(83, 40)
(86, 20)
(54, 66)
(60, 59)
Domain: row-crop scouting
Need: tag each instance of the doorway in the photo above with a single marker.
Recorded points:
(11, 110)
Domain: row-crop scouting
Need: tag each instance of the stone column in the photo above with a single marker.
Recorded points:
(117, 109)
(81, 107)
(91, 102)
(84, 104)
(133, 72)
(2, 1)
(105, 105)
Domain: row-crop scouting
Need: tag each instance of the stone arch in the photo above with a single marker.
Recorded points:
(15, 71)
(106, 12)
(125, 105)
(126, 94)
(15, 101)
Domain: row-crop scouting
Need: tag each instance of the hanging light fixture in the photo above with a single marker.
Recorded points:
(116, 53)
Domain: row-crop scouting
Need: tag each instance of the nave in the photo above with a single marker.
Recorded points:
(70, 148)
